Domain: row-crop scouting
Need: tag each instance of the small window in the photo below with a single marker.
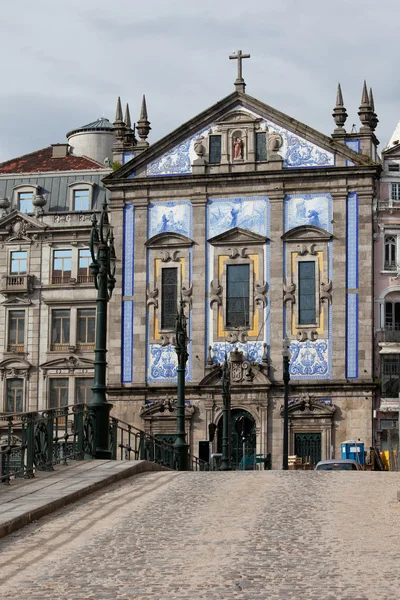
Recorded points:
(15, 396)
(86, 328)
(25, 202)
(215, 149)
(62, 264)
(19, 263)
(84, 260)
(395, 192)
(60, 331)
(81, 199)
(307, 314)
(390, 252)
(390, 373)
(83, 390)
(16, 331)
(261, 146)
(237, 295)
(169, 298)
(59, 392)
(393, 167)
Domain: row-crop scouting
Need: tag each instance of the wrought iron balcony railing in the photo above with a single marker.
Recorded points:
(389, 204)
(392, 334)
(37, 441)
(17, 348)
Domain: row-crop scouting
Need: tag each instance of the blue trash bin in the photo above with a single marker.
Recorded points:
(353, 449)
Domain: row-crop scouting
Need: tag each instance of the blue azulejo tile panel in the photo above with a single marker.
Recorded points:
(299, 152)
(310, 360)
(128, 241)
(127, 341)
(252, 351)
(352, 241)
(163, 364)
(178, 160)
(250, 213)
(353, 145)
(127, 156)
(171, 216)
(308, 209)
(352, 336)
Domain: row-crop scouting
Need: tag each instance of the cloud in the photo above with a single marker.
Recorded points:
(66, 62)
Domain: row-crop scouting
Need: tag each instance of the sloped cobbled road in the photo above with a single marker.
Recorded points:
(252, 535)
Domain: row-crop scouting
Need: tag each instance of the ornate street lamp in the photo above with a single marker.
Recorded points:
(102, 269)
(286, 379)
(226, 416)
(181, 350)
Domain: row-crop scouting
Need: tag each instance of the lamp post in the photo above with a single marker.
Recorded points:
(286, 379)
(181, 350)
(226, 416)
(102, 269)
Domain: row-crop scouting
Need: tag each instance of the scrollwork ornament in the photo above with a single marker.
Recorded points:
(259, 297)
(215, 293)
(288, 292)
(326, 291)
(152, 297)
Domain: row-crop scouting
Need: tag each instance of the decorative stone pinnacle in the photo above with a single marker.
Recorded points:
(118, 112)
(127, 117)
(239, 83)
(143, 125)
(339, 112)
(365, 111)
(374, 117)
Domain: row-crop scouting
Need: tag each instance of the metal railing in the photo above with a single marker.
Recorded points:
(36, 441)
(392, 333)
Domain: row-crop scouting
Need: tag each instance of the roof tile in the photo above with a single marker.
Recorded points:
(42, 161)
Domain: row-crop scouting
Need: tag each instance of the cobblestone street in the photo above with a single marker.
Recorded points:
(251, 535)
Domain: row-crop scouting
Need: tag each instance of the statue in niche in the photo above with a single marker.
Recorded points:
(237, 148)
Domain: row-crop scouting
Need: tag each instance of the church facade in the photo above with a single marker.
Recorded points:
(263, 227)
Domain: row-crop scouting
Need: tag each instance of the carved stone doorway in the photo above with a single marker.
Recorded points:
(243, 453)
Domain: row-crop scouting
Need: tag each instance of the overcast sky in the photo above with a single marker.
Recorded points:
(63, 64)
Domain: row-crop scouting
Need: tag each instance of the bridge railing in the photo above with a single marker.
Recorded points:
(36, 441)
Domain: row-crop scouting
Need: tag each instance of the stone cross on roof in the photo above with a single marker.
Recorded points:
(239, 83)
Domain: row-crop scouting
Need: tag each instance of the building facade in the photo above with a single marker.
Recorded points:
(387, 295)
(48, 300)
(263, 227)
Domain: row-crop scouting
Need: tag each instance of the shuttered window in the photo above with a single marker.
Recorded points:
(169, 298)
(307, 293)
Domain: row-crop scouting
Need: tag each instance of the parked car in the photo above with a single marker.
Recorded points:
(341, 464)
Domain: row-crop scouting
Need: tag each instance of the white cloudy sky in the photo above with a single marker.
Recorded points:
(64, 63)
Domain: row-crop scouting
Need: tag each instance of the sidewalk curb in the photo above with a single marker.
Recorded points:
(49, 507)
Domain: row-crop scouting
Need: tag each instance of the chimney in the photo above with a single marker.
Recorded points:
(60, 150)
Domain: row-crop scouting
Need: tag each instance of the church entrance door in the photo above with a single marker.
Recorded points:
(307, 446)
(243, 440)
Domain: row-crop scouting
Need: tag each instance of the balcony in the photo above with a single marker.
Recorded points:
(85, 346)
(16, 348)
(391, 334)
(85, 279)
(62, 279)
(12, 284)
(389, 204)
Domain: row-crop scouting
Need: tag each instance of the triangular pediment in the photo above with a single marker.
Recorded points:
(16, 301)
(237, 236)
(20, 226)
(302, 146)
(33, 223)
(307, 233)
(170, 240)
(393, 152)
(71, 363)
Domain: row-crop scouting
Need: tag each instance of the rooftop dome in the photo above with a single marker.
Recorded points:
(101, 124)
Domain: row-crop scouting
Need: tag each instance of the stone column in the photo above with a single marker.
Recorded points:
(140, 349)
(198, 314)
(338, 332)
